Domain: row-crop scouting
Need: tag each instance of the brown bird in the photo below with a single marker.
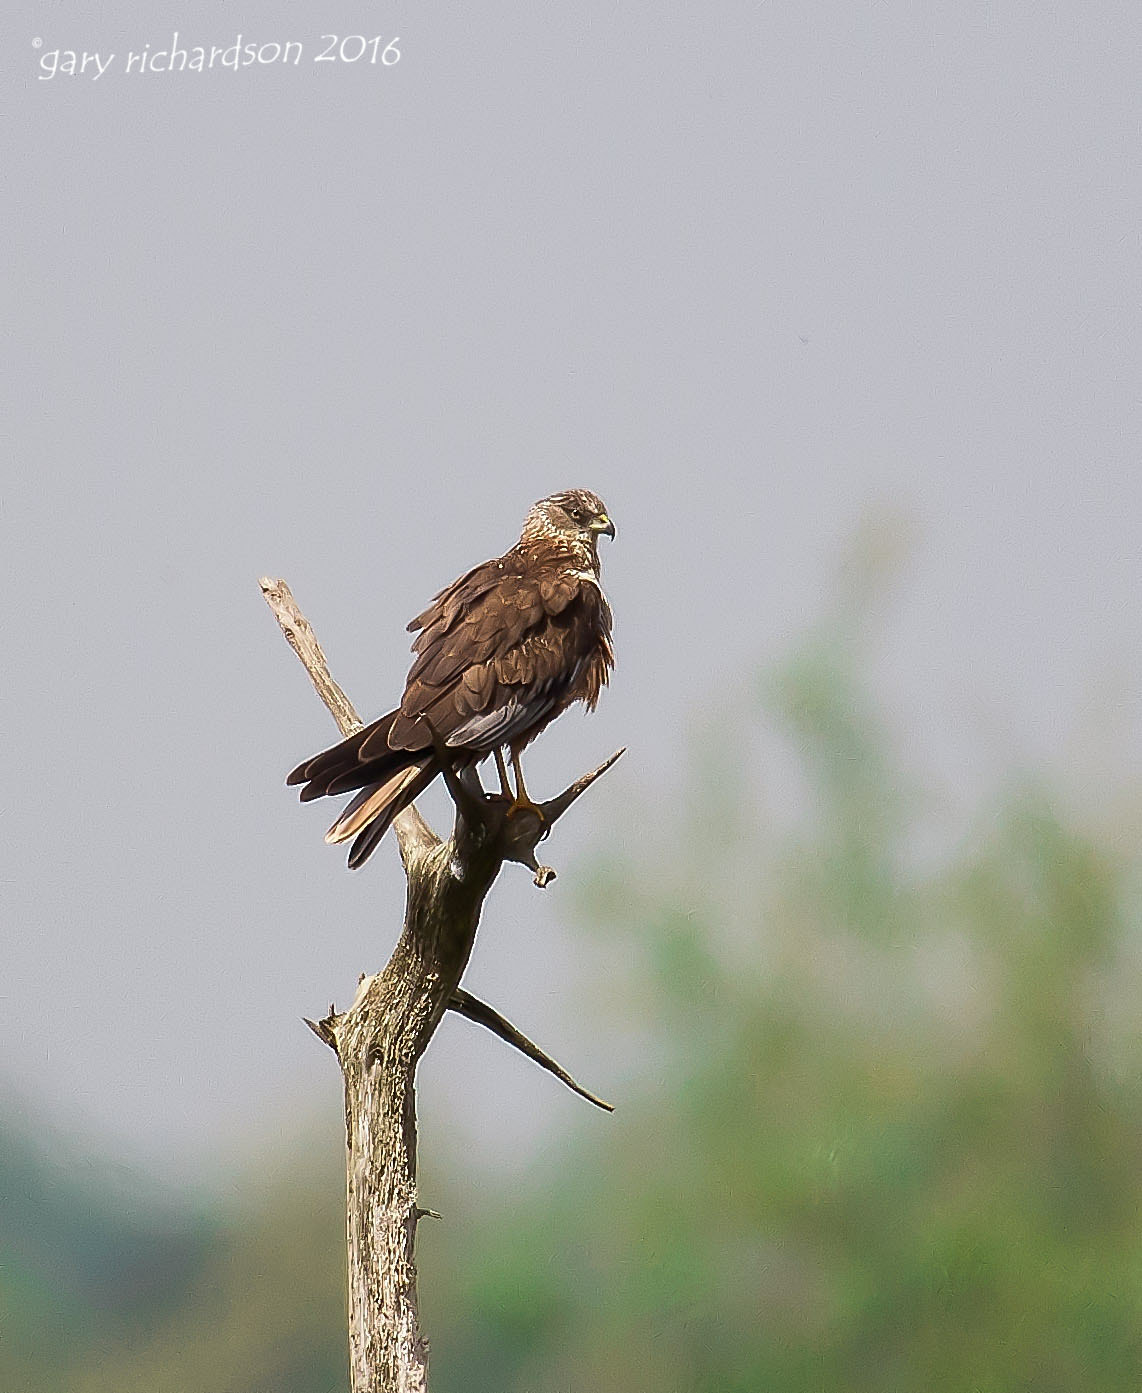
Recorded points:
(499, 654)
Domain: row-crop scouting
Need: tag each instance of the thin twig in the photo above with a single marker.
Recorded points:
(465, 1004)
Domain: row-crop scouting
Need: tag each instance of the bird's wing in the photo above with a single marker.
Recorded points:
(455, 598)
(495, 656)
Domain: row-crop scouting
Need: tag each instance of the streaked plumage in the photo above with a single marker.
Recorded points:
(499, 654)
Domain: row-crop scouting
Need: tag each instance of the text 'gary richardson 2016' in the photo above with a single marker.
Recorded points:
(376, 51)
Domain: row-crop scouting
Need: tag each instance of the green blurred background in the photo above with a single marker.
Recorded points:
(881, 1125)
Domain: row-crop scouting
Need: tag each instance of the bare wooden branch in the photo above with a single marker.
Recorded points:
(555, 807)
(303, 641)
(465, 1004)
(381, 1037)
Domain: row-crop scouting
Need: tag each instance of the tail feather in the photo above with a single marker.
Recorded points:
(347, 754)
(345, 778)
(368, 838)
(372, 802)
(388, 781)
(365, 774)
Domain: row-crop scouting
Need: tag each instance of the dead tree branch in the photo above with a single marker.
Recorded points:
(381, 1037)
(483, 1014)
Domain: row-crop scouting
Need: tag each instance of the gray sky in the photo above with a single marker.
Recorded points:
(746, 271)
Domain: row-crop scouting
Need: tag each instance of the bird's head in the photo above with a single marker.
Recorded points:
(575, 516)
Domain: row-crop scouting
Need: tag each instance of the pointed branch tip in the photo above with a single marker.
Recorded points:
(325, 1030)
(557, 806)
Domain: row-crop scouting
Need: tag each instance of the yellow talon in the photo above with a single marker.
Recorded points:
(522, 802)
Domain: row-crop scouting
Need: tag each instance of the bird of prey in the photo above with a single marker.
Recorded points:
(499, 654)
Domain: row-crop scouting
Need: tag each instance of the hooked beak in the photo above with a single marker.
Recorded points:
(603, 525)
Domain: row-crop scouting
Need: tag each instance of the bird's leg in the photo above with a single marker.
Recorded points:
(521, 797)
(505, 787)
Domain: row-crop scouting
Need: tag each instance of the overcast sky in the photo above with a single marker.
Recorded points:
(747, 271)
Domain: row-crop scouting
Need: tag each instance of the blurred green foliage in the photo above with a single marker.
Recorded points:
(886, 1135)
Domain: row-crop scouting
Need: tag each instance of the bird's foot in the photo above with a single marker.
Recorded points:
(522, 804)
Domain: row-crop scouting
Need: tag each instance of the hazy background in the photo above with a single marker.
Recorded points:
(836, 306)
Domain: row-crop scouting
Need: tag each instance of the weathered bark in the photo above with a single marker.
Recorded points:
(383, 1034)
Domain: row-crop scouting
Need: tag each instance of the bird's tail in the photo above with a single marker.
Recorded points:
(388, 781)
(370, 815)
